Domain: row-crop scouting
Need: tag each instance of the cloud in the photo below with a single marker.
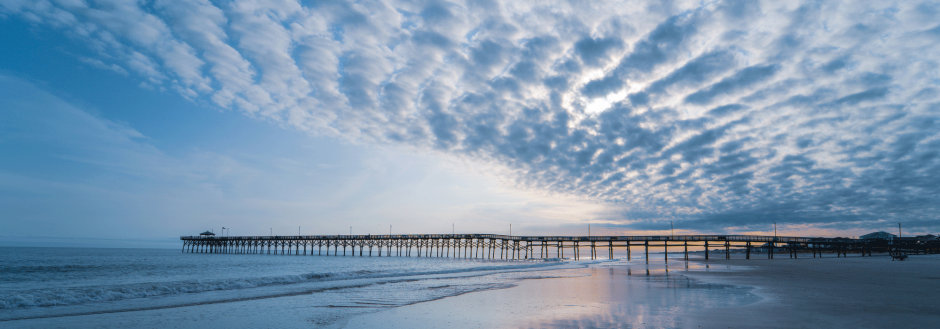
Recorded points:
(69, 173)
(721, 113)
(745, 78)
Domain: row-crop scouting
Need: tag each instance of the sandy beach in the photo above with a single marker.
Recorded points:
(855, 292)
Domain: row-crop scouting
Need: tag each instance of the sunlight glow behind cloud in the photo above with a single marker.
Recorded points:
(721, 113)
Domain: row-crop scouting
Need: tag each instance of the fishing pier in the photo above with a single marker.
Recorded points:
(494, 246)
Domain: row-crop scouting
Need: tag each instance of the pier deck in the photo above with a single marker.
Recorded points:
(494, 246)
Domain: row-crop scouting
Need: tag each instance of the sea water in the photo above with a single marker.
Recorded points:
(81, 287)
(38, 283)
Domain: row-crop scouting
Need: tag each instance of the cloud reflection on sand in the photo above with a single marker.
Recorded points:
(635, 294)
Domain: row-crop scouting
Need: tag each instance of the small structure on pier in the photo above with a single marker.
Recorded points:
(207, 234)
(880, 235)
(767, 248)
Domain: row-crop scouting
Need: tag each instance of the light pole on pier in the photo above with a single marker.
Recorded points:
(775, 231)
(350, 230)
(298, 230)
(589, 230)
(389, 229)
(272, 232)
(899, 230)
(673, 229)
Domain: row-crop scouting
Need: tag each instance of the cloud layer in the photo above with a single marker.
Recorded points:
(722, 114)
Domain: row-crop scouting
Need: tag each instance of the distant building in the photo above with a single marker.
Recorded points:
(766, 248)
(880, 235)
(928, 237)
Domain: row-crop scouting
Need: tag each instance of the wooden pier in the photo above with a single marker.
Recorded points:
(493, 246)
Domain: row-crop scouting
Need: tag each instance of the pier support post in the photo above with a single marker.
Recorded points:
(685, 245)
(666, 250)
(490, 249)
(706, 249)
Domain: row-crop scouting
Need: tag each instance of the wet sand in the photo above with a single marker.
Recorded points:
(855, 292)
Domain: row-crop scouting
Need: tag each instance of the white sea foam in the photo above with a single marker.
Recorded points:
(113, 281)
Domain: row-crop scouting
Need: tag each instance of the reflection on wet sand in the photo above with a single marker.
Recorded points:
(606, 294)
(636, 294)
(857, 292)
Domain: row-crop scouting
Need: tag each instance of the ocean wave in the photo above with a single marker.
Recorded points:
(74, 296)
(83, 295)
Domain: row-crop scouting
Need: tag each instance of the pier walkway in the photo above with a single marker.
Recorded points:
(494, 246)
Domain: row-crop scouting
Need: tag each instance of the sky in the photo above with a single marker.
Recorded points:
(130, 123)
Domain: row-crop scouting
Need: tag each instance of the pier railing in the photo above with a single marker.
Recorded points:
(736, 238)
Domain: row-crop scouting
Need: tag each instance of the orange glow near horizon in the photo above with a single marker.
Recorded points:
(801, 230)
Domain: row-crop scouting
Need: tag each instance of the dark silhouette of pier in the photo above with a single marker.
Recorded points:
(493, 246)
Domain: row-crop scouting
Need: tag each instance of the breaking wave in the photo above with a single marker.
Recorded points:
(82, 295)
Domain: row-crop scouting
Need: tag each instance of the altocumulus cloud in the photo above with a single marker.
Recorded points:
(719, 114)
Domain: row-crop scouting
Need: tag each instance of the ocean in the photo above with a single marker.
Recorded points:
(40, 283)
(156, 288)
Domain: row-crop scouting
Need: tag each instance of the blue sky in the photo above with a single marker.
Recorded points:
(145, 120)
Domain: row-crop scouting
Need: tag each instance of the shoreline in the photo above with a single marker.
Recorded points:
(857, 292)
